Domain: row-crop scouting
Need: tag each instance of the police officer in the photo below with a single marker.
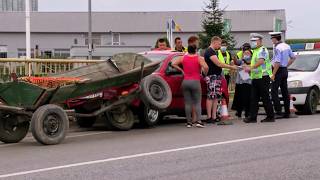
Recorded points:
(282, 58)
(260, 72)
(224, 57)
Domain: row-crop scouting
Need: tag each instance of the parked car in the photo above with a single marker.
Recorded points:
(174, 78)
(304, 81)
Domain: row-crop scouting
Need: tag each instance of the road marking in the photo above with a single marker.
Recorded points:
(156, 153)
(75, 136)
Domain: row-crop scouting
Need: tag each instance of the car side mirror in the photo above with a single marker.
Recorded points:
(171, 70)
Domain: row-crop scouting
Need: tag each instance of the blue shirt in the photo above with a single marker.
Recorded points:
(282, 54)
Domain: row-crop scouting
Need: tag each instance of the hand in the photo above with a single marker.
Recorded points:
(246, 68)
(234, 67)
(273, 77)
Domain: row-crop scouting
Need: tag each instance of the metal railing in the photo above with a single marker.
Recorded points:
(38, 67)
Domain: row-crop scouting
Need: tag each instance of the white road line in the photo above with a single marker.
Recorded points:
(75, 136)
(156, 153)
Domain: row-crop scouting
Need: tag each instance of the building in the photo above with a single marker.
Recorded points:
(17, 5)
(64, 34)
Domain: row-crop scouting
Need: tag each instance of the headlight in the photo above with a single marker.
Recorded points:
(294, 84)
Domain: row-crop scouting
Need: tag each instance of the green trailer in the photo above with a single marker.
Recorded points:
(46, 111)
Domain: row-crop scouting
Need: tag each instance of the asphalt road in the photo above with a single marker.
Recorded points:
(288, 149)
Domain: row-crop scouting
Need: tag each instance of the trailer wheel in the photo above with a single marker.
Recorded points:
(121, 119)
(156, 92)
(49, 124)
(11, 130)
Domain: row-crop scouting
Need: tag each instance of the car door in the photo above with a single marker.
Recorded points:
(174, 78)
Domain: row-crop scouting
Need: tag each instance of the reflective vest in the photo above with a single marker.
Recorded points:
(222, 60)
(240, 55)
(263, 70)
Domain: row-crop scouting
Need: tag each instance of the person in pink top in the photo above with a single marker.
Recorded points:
(192, 64)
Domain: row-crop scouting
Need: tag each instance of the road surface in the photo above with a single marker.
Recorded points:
(288, 149)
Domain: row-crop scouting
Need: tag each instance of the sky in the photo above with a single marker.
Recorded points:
(301, 15)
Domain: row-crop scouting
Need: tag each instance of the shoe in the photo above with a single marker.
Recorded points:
(218, 119)
(209, 121)
(189, 125)
(248, 120)
(278, 116)
(200, 125)
(268, 119)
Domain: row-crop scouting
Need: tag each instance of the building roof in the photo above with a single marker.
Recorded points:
(135, 22)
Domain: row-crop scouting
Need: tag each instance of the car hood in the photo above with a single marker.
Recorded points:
(302, 76)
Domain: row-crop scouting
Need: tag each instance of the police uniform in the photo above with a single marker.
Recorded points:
(260, 83)
(225, 60)
(282, 54)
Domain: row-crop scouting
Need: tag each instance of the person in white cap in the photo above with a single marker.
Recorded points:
(260, 73)
(282, 58)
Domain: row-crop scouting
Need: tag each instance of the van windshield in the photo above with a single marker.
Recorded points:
(306, 62)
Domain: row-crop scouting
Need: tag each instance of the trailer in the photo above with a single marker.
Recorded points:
(108, 89)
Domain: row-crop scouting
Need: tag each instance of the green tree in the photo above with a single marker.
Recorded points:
(213, 24)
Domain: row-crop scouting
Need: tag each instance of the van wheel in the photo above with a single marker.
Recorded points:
(49, 124)
(121, 119)
(312, 101)
(149, 117)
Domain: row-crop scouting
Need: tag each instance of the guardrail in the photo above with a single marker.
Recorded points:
(38, 67)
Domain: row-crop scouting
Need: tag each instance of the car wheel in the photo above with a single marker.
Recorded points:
(312, 101)
(156, 92)
(149, 117)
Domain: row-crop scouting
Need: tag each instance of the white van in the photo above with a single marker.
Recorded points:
(304, 81)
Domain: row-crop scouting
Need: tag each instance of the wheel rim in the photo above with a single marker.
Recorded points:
(157, 92)
(153, 115)
(51, 125)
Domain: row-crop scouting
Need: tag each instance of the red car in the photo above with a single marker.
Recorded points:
(174, 78)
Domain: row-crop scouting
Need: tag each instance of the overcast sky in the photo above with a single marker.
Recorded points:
(301, 15)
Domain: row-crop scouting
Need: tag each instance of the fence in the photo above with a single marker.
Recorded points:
(38, 67)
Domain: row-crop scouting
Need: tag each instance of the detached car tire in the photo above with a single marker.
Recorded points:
(156, 92)
(49, 124)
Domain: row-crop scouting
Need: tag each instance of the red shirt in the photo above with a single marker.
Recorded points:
(191, 67)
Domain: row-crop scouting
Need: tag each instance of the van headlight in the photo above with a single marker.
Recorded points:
(294, 84)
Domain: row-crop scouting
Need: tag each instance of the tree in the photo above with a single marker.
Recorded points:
(213, 24)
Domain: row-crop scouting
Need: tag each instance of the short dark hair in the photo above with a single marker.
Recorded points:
(216, 38)
(192, 39)
(176, 39)
(161, 40)
(278, 38)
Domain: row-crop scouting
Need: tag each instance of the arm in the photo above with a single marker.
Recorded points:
(292, 58)
(175, 64)
(204, 65)
(216, 61)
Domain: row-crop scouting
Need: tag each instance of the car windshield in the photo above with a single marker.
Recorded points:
(156, 57)
(307, 62)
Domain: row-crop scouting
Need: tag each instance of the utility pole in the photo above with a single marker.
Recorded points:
(28, 43)
(28, 51)
(90, 30)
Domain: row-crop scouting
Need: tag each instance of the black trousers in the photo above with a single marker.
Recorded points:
(227, 76)
(281, 81)
(260, 89)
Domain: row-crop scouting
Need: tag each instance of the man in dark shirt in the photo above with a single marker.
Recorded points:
(214, 77)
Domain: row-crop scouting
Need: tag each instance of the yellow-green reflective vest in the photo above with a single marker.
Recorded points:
(227, 61)
(240, 55)
(263, 70)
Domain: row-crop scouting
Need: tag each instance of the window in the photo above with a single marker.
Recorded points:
(171, 70)
(75, 41)
(116, 39)
(96, 39)
(22, 53)
(61, 53)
